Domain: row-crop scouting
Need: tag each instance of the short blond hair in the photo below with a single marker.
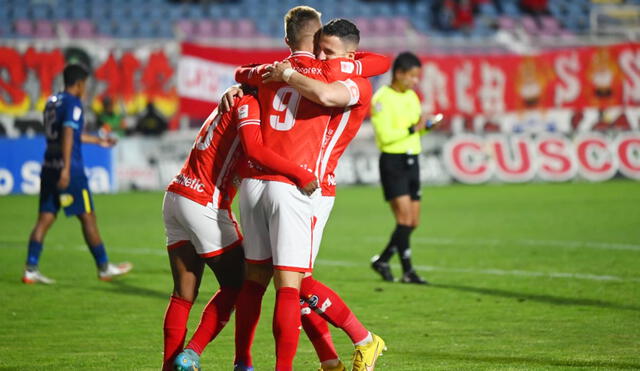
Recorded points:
(297, 20)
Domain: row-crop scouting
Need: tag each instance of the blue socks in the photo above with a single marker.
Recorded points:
(33, 256)
(99, 254)
(35, 249)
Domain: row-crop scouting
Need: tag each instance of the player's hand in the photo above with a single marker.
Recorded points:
(310, 187)
(226, 102)
(275, 71)
(63, 181)
(108, 142)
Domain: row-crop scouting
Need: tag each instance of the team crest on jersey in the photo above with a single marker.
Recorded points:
(77, 111)
(66, 199)
(346, 67)
(243, 112)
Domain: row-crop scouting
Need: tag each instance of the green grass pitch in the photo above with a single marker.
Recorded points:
(537, 276)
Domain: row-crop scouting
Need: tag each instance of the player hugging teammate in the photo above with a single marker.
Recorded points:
(308, 121)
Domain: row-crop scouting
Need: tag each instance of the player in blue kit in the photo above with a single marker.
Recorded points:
(63, 182)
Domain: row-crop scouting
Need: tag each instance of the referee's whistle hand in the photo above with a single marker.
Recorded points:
(422, 123)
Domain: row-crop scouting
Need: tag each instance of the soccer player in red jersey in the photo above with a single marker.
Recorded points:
(279, 223)
(200, 226)
(338, 39)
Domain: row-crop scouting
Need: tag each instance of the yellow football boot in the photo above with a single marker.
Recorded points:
(365, 356)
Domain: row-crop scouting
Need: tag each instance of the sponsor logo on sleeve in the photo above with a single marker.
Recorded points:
(347, 67)
(243, 112)
(77, 111)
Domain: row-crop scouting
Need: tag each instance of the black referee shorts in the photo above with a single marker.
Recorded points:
(400, 175)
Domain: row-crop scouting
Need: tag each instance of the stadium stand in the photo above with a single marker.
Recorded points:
(246, 18)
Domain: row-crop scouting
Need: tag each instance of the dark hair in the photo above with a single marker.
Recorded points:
(344, 29)
(74, 73)
(406, 61)
(297, 19)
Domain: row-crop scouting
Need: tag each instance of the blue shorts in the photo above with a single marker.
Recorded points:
(75, 199)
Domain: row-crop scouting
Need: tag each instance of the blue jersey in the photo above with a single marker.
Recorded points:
(63, 109)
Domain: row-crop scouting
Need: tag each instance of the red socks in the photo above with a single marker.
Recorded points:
(214, 317)
(318, 332)
(332, 308)
(248, 305)
(175, 329)
(286, 327)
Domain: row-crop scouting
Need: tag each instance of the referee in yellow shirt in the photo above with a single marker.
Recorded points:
(398, 122)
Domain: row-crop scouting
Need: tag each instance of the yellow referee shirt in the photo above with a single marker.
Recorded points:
(392, 113)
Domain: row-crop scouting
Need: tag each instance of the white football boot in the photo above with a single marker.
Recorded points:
(114, 270)
(34, 276)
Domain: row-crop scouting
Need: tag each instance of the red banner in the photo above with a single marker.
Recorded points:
(574, 78)
(127, 80)
(577, 78)
(205, 72)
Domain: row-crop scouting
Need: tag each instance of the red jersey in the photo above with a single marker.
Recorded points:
(292, 125)
(207, 174)
(343, 127)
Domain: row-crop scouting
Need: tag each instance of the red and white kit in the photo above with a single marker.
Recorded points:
(197, 204)
(279, 220)
(343, 127)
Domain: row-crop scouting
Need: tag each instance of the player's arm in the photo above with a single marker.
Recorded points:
(248, 118)
(251, 138)
(92, 139)
(335, 94)
(365, 64)
(250, 74)
(71, 121)
(371, 64)
(67, 146)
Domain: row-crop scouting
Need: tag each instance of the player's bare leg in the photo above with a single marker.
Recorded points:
(259, 273)
(186, 269)
(106, 270)
(248, 307)
(44, 222)
(90, 228)
(229, 271)
(36, 238)
(287, 279)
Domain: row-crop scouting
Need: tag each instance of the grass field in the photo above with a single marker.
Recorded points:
(540, 276)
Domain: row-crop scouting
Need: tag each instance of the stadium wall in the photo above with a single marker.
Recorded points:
(554, 116)
(21, 162)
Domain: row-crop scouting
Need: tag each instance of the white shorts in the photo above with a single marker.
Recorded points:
(321, 210)
(212, 231)
(278, 222)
